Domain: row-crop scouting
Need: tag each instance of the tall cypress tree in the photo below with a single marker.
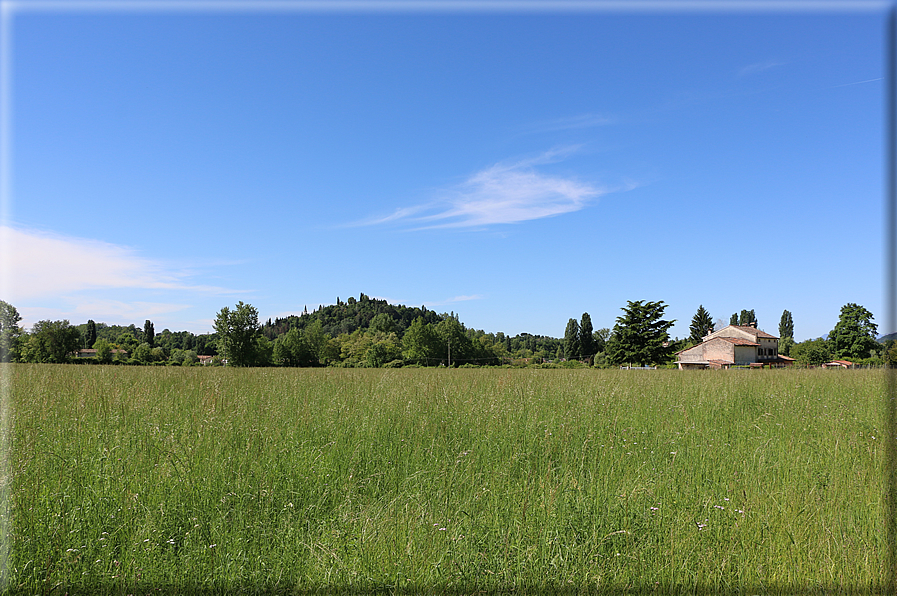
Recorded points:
(91, 334)
(586, 341)
(149, 333)
(701, 325)
(733, 320)
(572, 346)
(786, 326)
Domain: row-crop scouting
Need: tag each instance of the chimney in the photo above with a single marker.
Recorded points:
(753, 324)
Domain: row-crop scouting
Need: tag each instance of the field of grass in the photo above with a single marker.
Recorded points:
(150, 480)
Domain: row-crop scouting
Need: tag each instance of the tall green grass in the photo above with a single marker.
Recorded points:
(132, 480)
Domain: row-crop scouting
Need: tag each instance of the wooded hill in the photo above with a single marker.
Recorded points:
(340, 334)
(375, 332)
(351, 315)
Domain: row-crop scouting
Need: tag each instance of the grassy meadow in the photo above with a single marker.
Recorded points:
(148, 480)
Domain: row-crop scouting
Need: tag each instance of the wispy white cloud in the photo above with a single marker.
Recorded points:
(40, 264)
(126, 311)
(456, 299)
(759, 67)
(858, 82)
(502, 194)
(113, 312)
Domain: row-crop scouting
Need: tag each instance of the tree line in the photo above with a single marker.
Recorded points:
(373, 333)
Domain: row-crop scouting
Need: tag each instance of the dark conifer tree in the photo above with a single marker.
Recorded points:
(572, 346)
(91, 335)
(747, 317)
(149, 333)
(640, 335)
(586, 341)
(701, 325)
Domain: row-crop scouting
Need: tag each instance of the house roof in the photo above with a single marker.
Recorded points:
(687, 349)
(754, 331)
(841, 362)
(721, 362)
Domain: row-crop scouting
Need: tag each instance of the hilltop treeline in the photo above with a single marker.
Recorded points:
(356, 332)
(350, 316)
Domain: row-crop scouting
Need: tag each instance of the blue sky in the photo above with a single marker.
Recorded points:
(517, 166)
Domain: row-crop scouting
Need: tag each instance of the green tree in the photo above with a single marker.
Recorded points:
(237, 332)
(786, 327)
(143, 353)
(889, 353)
(383, 323)
(640, 334)
(420, 344)
(91, 334)
(382, 352)
(854, 335)
(586, 337)
(126, 341)
(177, 357)
(264, 351)
(291, 349)
(812, 352)
(454, 344)
(279, 354)
(104, 351)
(786, 346)
(747, 317)
(316, 339)
(701, 325)
(572, 341)
(600, 338)
(10, 332)
(149, 333)
(330, 351)
(51, 341)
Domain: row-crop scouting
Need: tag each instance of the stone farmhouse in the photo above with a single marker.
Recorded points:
(734, 345)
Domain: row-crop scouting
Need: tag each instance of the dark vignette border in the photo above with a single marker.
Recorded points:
(890, 199)
(458, 589)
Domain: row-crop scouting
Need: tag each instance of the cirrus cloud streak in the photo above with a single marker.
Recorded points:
(505, 193)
